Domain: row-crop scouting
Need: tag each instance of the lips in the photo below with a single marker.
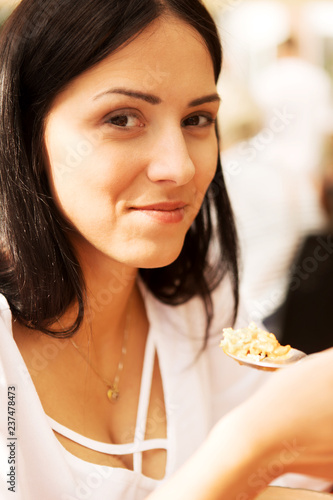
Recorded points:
(165, 212)
(165, 206)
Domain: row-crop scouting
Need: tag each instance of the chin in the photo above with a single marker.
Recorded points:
(159, 257)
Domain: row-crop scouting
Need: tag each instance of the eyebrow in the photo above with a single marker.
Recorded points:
(153, 99)
(205, 99)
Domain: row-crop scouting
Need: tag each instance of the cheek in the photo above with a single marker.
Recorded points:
(82, 168)
(206, 161)
(72, 156)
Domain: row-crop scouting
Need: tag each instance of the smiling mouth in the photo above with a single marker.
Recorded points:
(165, 212)
(165, 206)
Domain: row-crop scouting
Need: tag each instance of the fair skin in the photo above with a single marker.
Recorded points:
(130, 153)
(146, 152)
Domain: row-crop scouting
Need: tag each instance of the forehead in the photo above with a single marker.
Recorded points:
(168, 55)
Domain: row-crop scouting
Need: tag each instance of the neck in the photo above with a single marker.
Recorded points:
(110, 290)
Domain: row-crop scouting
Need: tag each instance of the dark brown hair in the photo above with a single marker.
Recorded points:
(43, 46)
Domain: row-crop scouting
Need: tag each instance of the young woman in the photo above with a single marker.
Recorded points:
(118, 258)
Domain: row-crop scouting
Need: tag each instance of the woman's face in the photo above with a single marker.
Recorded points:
(132, 149)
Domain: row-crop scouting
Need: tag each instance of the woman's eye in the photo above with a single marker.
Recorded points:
(125, 120)
(198, 121)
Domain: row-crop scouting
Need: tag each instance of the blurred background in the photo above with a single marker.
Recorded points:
(276, 128)
(6, 6)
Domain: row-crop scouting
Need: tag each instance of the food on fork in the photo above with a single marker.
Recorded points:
(253, 343)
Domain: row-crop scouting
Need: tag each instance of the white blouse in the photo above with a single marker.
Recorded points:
(196, 396)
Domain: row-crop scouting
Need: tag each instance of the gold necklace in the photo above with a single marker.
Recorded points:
(112, 387)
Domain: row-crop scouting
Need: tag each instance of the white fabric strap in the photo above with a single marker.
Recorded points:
(140, 444)
(141, 420)
(110, 449)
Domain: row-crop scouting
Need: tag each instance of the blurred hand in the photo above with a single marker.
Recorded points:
(294, 411)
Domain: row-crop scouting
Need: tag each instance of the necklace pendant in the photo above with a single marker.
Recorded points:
(112, 394)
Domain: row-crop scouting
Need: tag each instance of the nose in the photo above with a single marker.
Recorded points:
(169, 160)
